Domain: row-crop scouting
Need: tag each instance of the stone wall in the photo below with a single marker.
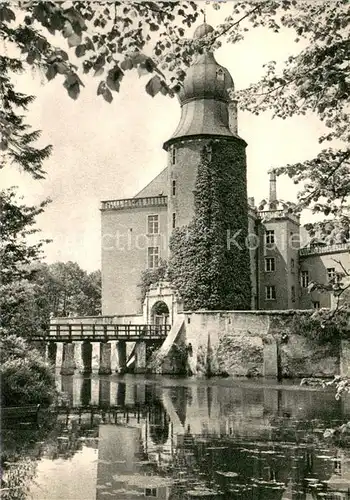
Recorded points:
(254, 343)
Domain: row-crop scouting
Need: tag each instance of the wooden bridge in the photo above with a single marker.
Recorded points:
(68, 332)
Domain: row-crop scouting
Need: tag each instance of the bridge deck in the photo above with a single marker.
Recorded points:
(67, 332)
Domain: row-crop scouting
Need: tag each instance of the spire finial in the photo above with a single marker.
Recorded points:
(205, 14)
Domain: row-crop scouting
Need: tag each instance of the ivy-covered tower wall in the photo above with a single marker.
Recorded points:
(207, 190)
(183, 160)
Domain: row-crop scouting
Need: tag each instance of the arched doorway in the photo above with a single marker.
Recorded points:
(160, 313)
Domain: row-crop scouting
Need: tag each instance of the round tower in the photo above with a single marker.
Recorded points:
(207, 114)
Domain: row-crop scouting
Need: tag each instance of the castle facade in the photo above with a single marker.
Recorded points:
(136, 231)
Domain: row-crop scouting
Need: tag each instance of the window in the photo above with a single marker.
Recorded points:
(337, 466)
(293, 293)
(220, 75)
(173, 156)
(304, 279)
(151, 492)
(153, 224)
(292, 264)
(174, 219)
(316, 305)
(153, 257)
(270, 237)
(269, 264)
(331, 273)
(270, 292)
(174, 188)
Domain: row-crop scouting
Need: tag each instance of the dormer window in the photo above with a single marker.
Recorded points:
(220, 75)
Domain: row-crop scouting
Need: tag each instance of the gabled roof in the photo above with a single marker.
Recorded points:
(157, 186)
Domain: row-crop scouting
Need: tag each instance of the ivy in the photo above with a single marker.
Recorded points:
(208, 271)
(150, 276)
(322, 326)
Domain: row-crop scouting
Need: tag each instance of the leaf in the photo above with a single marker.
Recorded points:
(126, 64)
(67, 30)
(99, 63)
(154, 86)
(98, 72)
(74, 40)
(101, 88)
(51, 72)
(80, 50)
(89, 44)
(31, 57)
(74, 91)
(7, 15)
(107, 95)
(114, 77)
(61, 68)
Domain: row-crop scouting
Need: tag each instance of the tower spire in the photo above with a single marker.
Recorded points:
(205, 14)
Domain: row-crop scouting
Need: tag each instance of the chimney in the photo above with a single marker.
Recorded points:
(273, 191)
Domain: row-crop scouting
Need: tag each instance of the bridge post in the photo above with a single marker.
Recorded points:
(140, 394)
(68, 362)
(105, 359)
(121, 389)
(77, 383)
(121, 350)
(67, 386)
(95, 391)
(95, 361)
(78, 351)
(59, 354)
(104, 398)
(114, 358)
(86, 353)
(140, 356)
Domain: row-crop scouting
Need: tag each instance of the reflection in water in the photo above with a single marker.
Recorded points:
(179, 439)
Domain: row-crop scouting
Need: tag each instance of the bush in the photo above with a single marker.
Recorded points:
(25, 377)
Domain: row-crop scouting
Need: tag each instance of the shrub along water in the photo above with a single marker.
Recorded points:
(26, 379)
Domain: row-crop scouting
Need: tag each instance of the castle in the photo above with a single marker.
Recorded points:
(136, 231)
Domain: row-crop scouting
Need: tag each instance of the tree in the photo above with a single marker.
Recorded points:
(24, 310)
(107, 38)
(314, 81)
(69, 290)
(17, 223)
(21, 302)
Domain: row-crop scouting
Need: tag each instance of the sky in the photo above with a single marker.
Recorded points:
(105, 151)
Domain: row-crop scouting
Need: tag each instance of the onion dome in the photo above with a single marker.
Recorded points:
(204, 96)
(206, 79)
(203, 30)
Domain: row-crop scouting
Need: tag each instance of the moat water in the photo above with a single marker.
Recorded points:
(132, 437)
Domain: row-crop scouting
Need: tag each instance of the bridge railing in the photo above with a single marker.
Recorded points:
(105, 332)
